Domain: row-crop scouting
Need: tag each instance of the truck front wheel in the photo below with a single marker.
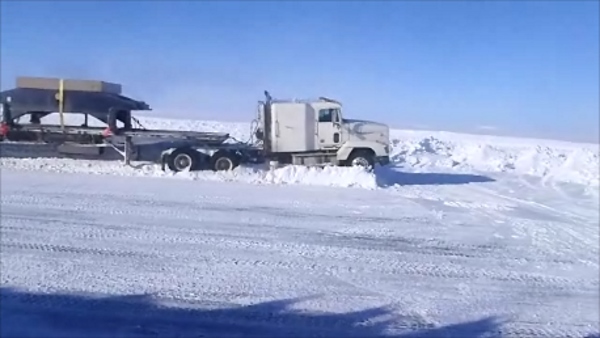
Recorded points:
(361, 158)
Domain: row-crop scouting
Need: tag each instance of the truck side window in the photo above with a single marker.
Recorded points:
(325, 115)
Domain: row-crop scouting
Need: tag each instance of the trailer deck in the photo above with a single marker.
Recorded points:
(179, 149)
(26, 131)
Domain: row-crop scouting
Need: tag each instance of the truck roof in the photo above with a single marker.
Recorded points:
(306, 101)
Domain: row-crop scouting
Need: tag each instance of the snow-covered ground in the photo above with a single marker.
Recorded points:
(464, 236)
(552, 161)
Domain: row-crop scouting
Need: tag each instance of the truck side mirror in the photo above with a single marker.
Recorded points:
(336, 118)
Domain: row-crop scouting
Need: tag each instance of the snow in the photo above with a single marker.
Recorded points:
(412, 151)
(421, 150)
(328, 176)
(462, 236)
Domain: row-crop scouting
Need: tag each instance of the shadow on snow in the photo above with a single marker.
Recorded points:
(387, 177)
(27, 314)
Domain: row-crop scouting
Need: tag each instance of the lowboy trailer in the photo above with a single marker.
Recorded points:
(310, 132)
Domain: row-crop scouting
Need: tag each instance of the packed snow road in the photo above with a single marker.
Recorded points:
(91, 255)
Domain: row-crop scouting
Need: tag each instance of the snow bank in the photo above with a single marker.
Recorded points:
(328, 176)
(445, 151)
(550, 160)
(411, 151)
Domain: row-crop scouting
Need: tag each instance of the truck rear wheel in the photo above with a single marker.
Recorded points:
(224, 161)
(183, 159)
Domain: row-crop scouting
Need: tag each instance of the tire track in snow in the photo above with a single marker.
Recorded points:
(549, 233)
(140, 231)
(329, 238)
(574, 232)
(407, 268)
(296, 254)
(423, 269)
(320, 243)
(56, 226)
(432, 247)
(57, 248)
(538, 330)
(409, 250)
(350, 248)
(127, 205)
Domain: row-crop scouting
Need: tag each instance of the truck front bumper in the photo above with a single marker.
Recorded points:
(382, 160)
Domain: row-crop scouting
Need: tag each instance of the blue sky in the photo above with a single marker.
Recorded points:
(506, 67)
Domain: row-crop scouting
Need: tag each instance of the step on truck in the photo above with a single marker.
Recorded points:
(301, 132)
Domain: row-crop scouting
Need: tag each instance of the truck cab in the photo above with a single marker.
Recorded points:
(314, 132)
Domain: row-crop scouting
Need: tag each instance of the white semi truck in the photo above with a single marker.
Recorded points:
(314, 132)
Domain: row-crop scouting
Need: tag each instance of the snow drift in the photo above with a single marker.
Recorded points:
(560, 161)
(328, 176)
(438, 150)
(422, 151)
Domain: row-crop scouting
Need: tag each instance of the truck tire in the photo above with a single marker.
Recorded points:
(224, 161)
(183, 159)
(362, 158)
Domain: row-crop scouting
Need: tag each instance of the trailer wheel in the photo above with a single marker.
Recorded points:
(183, 159)
(224, 161)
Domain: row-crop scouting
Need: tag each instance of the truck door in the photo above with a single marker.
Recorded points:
(329, 128)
